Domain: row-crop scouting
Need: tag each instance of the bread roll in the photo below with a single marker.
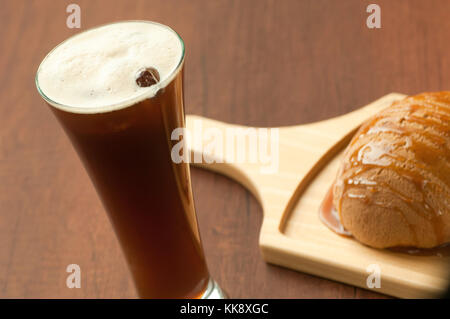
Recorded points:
(393, 186)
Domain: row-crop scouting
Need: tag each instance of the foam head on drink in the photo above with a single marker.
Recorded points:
(117, 90)
(97, 69)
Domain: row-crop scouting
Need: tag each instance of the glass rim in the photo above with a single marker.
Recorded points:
(115, 106)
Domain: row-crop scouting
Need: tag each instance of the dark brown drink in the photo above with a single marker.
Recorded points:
(147, 196)
(127, 153)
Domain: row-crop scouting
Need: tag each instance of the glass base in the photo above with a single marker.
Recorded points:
(213, 291)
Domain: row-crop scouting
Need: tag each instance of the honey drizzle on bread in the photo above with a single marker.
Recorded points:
(398, 165)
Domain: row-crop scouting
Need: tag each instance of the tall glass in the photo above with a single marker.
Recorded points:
(127, 154)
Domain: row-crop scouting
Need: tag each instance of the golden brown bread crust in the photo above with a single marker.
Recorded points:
(393, 186)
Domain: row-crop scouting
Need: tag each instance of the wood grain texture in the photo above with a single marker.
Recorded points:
(258, 63)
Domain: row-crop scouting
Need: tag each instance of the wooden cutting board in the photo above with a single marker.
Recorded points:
(292, 234)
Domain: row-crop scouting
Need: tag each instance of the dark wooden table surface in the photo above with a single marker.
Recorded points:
(265, 63)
